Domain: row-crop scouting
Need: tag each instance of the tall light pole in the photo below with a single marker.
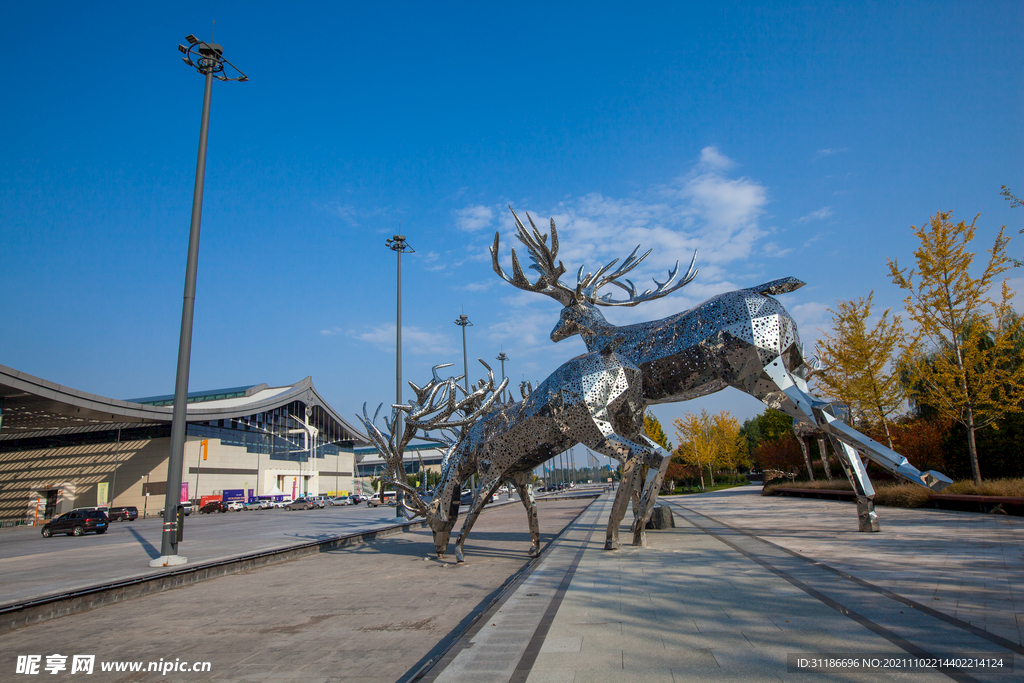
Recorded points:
(398, 245)
(207, 59)
(502, 357)
(463, 322)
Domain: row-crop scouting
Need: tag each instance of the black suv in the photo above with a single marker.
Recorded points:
(214, 506)
(119, 514)
(76, 523)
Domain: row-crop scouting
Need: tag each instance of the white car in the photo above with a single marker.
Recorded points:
(236, 506)
(339, 500)
(282, 503)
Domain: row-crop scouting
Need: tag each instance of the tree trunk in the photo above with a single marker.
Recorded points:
(711, 475)
(972, 447)
(888, 436)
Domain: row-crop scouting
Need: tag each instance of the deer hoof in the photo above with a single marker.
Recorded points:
(640, 539)
(534, 552)
(458, 555)
(611, 544)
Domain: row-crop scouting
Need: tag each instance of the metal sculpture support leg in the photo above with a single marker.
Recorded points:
(488, 485)
(867, 519)
(525, 489)
(807, 456)
(649, 495)
(824, 457)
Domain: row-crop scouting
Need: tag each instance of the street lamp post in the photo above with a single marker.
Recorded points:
(398, 245)
(207, 59)
(463, 322)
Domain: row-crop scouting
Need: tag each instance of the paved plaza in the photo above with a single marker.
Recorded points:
(740, 587)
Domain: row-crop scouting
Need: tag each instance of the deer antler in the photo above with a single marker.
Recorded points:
(543, 260)
(587, 286)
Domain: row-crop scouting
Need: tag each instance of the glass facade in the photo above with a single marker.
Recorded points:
(277, 434)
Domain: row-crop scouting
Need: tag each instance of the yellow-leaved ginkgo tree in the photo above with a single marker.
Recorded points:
(961, 358)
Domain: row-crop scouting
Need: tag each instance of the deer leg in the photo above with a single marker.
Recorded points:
(791, 395)
(649, 495)
(525, 488)
(630, 470)
(853, 466)
(443, 535)
(487, 487)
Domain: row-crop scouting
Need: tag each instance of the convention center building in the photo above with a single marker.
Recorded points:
(61, 448)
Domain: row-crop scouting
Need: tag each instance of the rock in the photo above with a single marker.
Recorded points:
(661, 518)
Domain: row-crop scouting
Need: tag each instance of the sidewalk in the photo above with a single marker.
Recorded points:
(745, 580)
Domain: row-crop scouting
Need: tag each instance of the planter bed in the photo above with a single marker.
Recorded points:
(1010, 505)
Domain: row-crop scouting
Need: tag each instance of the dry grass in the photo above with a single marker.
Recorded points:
(907, 495)
(833, 484)
(994, 487)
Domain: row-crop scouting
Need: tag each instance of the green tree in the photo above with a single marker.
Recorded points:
(653, 430)
(971, 378)
(859, 368)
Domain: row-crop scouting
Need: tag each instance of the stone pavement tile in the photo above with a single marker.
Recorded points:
(796, 640)
(585, 631)
(592, 676)
(699, 675)
(606, 642)
(676, 658)
(562, 644)
(551, 676)
(610, 660)
(705, 641)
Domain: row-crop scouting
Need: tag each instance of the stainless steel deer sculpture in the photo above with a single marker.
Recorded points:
(743, 339)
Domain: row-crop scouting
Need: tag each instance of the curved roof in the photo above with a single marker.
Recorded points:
(33, 406)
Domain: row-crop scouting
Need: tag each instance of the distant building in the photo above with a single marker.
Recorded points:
(61, 448)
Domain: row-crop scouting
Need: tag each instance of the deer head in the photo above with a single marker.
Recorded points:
(579, 313)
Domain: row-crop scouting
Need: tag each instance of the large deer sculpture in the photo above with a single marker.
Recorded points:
(743, 339)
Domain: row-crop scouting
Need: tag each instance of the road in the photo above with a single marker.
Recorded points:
(32, 566)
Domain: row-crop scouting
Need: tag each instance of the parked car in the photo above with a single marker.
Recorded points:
(254, 505)
(357, 498)
(213, 506)
(77, 523)
(339, 500)
(282, 503)
(301, 504)
(318, 501)
(236, 506)
(122, 513)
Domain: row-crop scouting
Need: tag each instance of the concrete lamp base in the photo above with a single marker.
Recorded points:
(168, 561)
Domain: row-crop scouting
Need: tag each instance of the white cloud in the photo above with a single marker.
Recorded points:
(711, 157)
(819, 215)
(474, 217)
(333, 332)
(414, 339)
(830, 152)
(809, 314)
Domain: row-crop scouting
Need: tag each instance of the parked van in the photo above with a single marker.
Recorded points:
(390, 498)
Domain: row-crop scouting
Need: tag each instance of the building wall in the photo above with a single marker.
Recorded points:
(76, 470)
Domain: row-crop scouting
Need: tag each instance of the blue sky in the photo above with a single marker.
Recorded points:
(776, 139)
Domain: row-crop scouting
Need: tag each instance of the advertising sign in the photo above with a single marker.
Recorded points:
(233, 494)
(101, 493)
(206, 499)
(184, 492)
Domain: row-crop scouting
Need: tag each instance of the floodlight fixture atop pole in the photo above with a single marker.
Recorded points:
(502, 358)
(207, 59)
(463, 322)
